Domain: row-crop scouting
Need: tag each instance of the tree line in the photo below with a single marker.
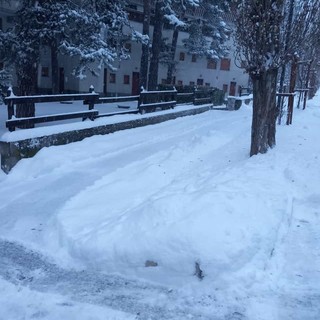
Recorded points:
(271, 37)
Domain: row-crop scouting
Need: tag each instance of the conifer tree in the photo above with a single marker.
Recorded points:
(208, 32)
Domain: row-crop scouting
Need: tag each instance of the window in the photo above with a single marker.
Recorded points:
(211, 64)
(132, 6)
(225, 64)
(199, 82)
(182, 56)
(207, 84)
(1, 65)
(126, 79)
(191, 83)
(112, 78)
(225, 88)
(128, 46)
(167, 25)
(135, 16)
(45, 72)
(193, 58)
(180, 83)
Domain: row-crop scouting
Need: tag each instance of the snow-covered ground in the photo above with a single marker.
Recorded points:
(79, 223)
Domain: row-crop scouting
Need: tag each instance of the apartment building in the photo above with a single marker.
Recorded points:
(189, 70)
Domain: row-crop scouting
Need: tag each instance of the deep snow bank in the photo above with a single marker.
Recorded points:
(179, 206)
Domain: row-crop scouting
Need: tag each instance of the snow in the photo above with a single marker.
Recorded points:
(158, 103)
(16, 304)
(72, 95)
(65, 125)
(159, 91)
(173, 19)
(242, 98)
(177, 193)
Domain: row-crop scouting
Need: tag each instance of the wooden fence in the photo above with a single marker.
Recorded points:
(147, 101)
(11, 101)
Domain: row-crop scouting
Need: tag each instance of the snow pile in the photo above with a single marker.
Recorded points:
(221, 229)
(174, 194)
(178, 207)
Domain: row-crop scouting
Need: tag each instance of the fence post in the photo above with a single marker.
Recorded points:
(10, 106)
(140, 100)
(307, 84)
(91, 101)
(194, 94)
(291, 89)
(174, 96)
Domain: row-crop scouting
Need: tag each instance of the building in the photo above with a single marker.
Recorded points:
(189, 70)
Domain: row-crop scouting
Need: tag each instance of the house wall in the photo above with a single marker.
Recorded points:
(187, 72)
(121, 81)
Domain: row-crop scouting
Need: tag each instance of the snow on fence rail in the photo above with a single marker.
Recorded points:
(148, 101)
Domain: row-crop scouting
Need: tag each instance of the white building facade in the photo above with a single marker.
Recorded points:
(189, 70)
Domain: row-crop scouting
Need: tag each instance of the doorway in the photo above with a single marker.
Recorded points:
(105, 81)
(61, 80)
(135, 83)
(233, 86)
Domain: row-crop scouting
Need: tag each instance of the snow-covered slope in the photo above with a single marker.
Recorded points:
(180, 193)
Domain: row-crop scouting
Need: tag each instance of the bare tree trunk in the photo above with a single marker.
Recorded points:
(144, 63)
(281, 87)
(292, 86)
(283, 70)
(156, 45)
(171, 66)
(307, 84)
(263, 130)
(54, 67)
(27, 84)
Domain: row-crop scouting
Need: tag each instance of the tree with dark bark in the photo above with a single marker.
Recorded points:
(5, 73)
(164, 10)
(262, 50)
(144, 62)
(91, 31)
(25, 52)
(156, 44)
(201, 18)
